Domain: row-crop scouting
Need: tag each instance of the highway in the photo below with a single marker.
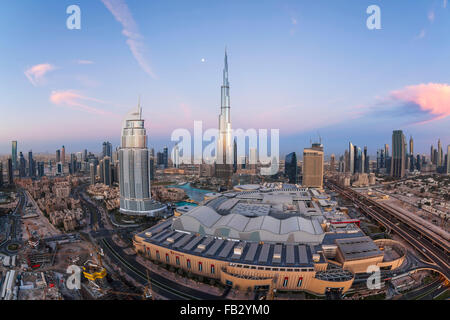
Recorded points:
(160, 285)
(437, 253)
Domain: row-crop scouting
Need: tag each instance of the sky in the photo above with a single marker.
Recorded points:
(308, 68)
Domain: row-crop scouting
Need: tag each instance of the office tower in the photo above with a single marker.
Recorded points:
(1, 173)
(165, 157)
(63, 155)
(73, 164)
(40, 168)
(152, 169)
(107, 171)
(332, 162)
(398, 154)
(360, 157)
(346, 161)
(386, 150)
(134, 161)
(14, 155)
(432, 160)
(418, 162)
(253, 158)
(152, 152)
(58, 156)
(10, 172)
(411, 145)
(176, 156)
(100, 171)
(92, 172)
(107, 149)
(159, 158)
(351, 158)
(224, 149)
(235, 155)
(341, 164)
(439, 154)
(448, 159)
(85, 155)
(291, 168)
(22, 165)
(366, 160)
(31, 165)
(59, 169)
(312, 168)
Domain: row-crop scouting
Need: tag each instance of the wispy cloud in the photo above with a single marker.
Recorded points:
(85, 62)
(122, 14)
(77, 101)
(431, 16)
(444, 4)
(36, 73)
(422, 34)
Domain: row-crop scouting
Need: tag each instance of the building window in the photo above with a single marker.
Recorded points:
(200, 267)
(299, 283)
(157, 255)
(167, 258)
(177, 260)
(212, 269)
(149, 252)
(189, 264)
(285, 282)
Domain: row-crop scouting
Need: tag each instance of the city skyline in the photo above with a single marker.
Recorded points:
(279, 76)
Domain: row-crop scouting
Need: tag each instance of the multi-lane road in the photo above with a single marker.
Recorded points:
(429, 246)
(160, 285)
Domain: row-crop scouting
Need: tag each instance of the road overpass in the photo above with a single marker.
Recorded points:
(433, 248)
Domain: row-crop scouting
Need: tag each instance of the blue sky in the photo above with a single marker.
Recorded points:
(308, 68)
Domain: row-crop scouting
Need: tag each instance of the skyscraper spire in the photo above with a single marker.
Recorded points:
(139, 108)
(225, 70)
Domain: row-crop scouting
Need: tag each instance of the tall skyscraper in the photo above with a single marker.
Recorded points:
(176, 156)
(351, 158)
(92, 172)
(312, 168)
(40, 169)
(439, 162)
(107, 171)
(411, 146)
(22, 165)
(224, 149)
(63, 155)
(366, 160)
(165, 157)
(10, 172)
(134, 171)
(107, 149)
(398, 154)
(31, 165)
(14, 155)
(58, 156)
(386, 150)
(291, 168)
(1, 174)
(448, 159)
(432, 159)
(332, 162)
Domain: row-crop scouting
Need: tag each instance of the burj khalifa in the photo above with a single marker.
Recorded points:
(224, 158)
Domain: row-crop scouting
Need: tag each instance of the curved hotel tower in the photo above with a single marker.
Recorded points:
(134, 172)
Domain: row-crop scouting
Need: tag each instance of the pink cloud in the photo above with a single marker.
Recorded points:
(432, 98)
(36, 73)
(76, 101)
(122, 14)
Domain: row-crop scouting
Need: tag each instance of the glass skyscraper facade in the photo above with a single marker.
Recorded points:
(290, 167)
